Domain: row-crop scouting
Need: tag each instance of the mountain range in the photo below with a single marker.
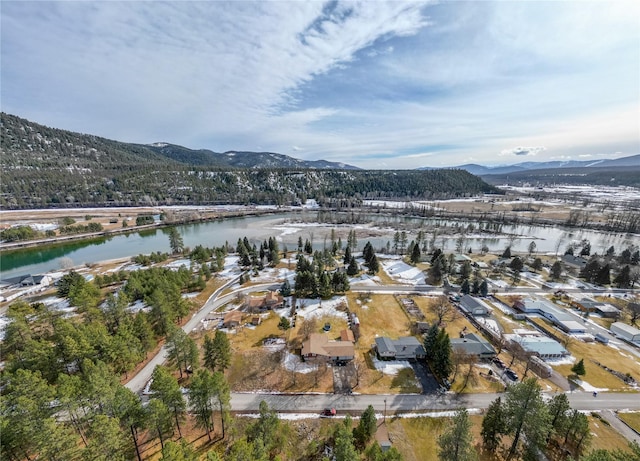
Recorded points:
(45, 167)
(480, 170)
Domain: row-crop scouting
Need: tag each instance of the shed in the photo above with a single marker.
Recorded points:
(474, 306)
(625, 331)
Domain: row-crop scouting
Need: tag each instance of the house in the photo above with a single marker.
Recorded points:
(28, 280)
(538, 344)
(624, 331)
(318, 346)
(472, 344)
(575, 261)
(589, 305)
(271, 300)
(405, 348)
(474, 306)
(549, 311)
(232, 319)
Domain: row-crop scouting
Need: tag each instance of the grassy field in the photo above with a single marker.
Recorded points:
(632, 419)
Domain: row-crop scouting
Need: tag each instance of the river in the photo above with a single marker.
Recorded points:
(288, 227)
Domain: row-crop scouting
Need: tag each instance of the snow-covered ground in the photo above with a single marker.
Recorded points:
(379, 416)
(294, 363)
(390, 367)
(403, 272)
(308, 308)
(588, 387)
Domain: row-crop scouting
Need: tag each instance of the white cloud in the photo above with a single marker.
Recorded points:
(523, 150)
(357, 82)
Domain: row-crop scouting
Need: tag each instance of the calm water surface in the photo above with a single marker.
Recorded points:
(286, 228)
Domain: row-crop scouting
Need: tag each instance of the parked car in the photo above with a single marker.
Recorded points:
(499, 363)
(511, 374)
(329, 412)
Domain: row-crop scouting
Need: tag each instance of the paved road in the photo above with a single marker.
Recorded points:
(620, 426)
(314, 403)
(137, 382)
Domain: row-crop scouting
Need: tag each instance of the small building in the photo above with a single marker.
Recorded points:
(473, 305)
(256, 320)
(575, 261)
(590, 305)
(28, 280)
(627, 332)
(271, 300)
(232, 319)
(472, 344)
(405, 348)
(551, 312)
(318, 346)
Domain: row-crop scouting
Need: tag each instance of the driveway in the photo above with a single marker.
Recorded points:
(427, 380)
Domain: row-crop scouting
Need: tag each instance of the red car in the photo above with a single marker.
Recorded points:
(329, 412)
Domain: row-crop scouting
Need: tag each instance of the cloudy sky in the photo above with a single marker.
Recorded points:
(374, 84)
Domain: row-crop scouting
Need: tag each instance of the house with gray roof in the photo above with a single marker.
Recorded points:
(473, 305)
(551, 312)
(472, 344)
(405, 348)
(538, 344)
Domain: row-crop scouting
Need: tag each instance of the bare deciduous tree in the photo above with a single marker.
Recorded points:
(443, 310)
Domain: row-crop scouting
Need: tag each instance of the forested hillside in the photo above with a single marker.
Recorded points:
(45, 167)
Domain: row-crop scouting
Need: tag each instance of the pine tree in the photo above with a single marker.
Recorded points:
(556, 270)
(416, 256)
(175, 241)
(604, 275)
(578, 368)
(464, 288)
(623, 279)
(456, 443)
(493, 426)
(353, 268)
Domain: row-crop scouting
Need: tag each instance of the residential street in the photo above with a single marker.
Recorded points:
(314, 403)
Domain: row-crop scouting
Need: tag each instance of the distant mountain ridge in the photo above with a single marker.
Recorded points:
(481, 170)
(241, 159)
(44, 167)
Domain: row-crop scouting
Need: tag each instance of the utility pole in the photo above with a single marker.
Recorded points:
(385, 411)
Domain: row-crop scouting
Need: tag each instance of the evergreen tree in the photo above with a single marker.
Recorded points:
(347, 255)
(373, 265)
(366, 428)
(416, 256)
(217, 351)
(344, 450)
(493, 426)
(623, 279)
(175, 241)
(166, 388)
(484, 288)
(456, 443)
(506, 254)
(353, 268)
(442, 364)
(430, 342)
(284, 324)
(526, 414)
(590, 270)
(537, 264)
(578, 368)
(285, 288)
(201, 394)
(464, 288)
(556, 270)
(558, 412)
(604, 275)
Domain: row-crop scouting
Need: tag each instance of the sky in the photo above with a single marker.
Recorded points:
(374, 84)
